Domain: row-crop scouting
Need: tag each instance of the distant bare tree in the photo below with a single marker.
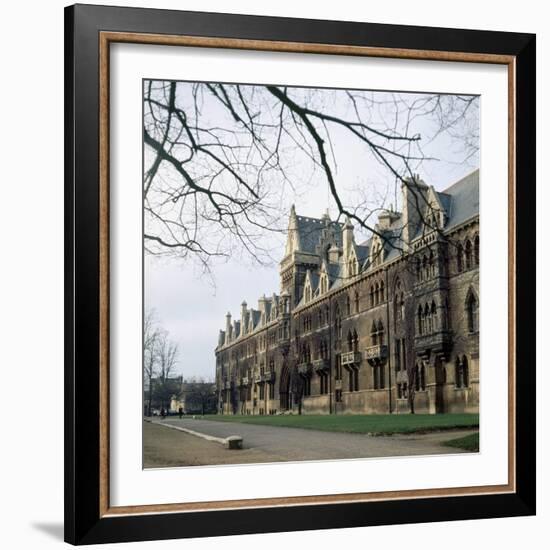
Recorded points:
(150, 357)
(167, 354)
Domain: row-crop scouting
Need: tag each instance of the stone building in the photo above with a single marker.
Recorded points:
(377, 327)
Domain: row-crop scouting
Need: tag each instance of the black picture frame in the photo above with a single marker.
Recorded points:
(84, 522)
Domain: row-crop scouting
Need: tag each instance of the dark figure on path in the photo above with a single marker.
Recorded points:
(163, 413)
(180, 412)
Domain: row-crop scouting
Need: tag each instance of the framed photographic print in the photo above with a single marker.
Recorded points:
(299, 274)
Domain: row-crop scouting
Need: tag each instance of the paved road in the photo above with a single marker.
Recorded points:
(275, 443)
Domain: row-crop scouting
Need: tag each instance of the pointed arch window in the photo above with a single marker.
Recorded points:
(476, 250)
(472, 312)
(356, 300)
(337, 324)
(428, 319)
(374, 334)
(459, 255)
(399, 302)
(424, 268)
(433, 316)
(431, 262)
(468, 254)
(461, 372)
(380, 331)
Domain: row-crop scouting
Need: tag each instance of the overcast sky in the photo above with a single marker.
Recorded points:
(192, 307)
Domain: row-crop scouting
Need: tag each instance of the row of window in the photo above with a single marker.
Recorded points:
(378, 371)
(376, 293)
(427, 318)
(403, 388)
(425, 267)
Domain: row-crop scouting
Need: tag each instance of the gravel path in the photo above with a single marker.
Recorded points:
(276, 444)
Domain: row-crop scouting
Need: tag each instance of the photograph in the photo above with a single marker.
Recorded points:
(299, 274)
(311, 261)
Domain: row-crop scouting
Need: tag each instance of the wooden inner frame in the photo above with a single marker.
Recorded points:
(105, 39)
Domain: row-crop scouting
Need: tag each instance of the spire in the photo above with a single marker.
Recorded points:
(293, 237)
(347, 238)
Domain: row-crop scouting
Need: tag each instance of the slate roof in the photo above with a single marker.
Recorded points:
(310, 232)
(462, 200)
(314, 277)
(256, 316)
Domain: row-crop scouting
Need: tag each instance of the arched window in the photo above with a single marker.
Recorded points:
(398, 305)
(356, 302)
(420, 321)
(465, 373)
(476, 250)
(468, 254)
(424, 267)
(422, 377)
(382, 291)
(461, 372)
(374, 334)
(459, 253)
(355, 341)
(371, 294)
(433, 315)
(350, 341)
(380, 332)
(324, 349)
(431, 262)
(445, 319)
(376, 294)
(428, 319)
(471, 311)
(348, 305)
(337, 324)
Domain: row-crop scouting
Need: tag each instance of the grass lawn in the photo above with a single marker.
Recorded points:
(468, 443)
(379, 424)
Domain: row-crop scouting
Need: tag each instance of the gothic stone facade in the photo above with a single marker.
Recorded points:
(370, 328)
